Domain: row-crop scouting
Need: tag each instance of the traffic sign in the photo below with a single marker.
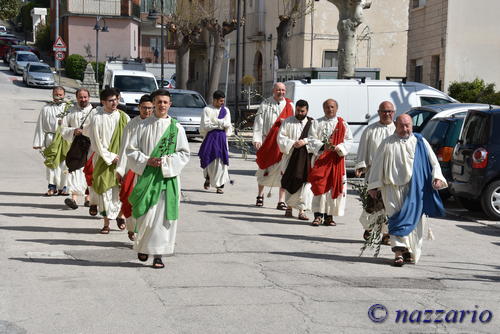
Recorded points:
(60, 55)
(59, 44)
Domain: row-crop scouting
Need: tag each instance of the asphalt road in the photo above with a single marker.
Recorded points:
(237, 269)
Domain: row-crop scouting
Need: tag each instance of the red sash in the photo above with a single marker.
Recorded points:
(125, 190)
(88, 170)
(269, 153)
(329, 169)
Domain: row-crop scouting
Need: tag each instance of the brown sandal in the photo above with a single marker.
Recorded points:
(93, 210)
(120, 222)
(302, 216)
(386, 240)
(316, 221)
(329, 222)
(398, 261)
(131, 236)
(260, 201)
(206, 185)
(105, 230)
(288, 212)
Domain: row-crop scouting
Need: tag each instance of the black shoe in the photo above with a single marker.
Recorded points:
(71, 203)
(157, 263)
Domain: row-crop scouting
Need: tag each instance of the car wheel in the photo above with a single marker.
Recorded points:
(490, 200)
(470, 204)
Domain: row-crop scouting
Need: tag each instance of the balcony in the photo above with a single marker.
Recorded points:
(92, 7)
(255, 26)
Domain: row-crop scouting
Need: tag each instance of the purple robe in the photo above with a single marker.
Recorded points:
(214, 145)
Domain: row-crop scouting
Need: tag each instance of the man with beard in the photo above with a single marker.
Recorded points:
(292, 141)
(106, 131)
(125, 176)
(157, 153)
(215, 127)
(329, 138)
(47, 126)
(272, 111)
(408, 175)
(75, 124)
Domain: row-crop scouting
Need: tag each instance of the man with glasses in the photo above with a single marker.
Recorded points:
(371, 138)
(106, 131)
(124, 175)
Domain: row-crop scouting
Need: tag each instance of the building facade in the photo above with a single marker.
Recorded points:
(453, 41)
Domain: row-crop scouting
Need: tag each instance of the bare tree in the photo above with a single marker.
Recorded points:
(292, 11)
(350, 17)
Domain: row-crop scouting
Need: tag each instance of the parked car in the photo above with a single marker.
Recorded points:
(167, 83)
(18, 47)
(39, 75)
(5, 43)
(475, 166)
(20, 59)
(3, 29)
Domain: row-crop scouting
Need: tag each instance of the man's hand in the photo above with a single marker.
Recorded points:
(299, 143)
(373, 193)
(119, 178)
(154, 162)
(37, 147)
(360, 171)
(257, 145)
(437, 184)
(115, 160)
(77, 132)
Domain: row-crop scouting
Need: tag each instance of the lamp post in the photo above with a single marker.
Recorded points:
(98, 28)
(153, 15)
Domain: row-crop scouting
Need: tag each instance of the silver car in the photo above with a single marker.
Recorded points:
(39, 75)
(19, 61)
(187, 108)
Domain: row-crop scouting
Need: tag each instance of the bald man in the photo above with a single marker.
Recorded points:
(408, 175)
(271, 113)
(367, 149)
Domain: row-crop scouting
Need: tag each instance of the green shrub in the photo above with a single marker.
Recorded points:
(43, 39)
(101, 71)
(476, 91)
(75, 66)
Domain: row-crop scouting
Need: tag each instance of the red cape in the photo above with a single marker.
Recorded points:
(329, 169)
(88, 170)
(269, 153)
(125, 190)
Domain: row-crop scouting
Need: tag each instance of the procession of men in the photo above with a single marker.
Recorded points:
(129, 170)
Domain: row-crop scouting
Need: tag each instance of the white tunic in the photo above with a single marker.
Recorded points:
(320, 133)
(46, 128)
(268, 112)
(216, 171)
(76, 179)
(102, 127)
(369, 143)
(156, 235)
(289, 133)
(131, 128)
(391, 173)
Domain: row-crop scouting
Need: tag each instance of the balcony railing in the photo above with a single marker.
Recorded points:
(93, 7)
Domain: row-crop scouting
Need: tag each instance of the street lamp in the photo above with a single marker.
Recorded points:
(153, 15)
(98, 28)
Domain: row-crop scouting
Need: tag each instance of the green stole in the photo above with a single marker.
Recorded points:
(103, 177)
(56, 152)
(151, 183)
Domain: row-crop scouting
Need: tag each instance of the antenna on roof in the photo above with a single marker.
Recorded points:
(363, 79)
(307, 80)
(403, 79)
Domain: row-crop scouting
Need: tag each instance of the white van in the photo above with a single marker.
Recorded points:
(132, 84)
(359, 100)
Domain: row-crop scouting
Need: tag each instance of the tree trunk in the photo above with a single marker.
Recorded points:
(182, 64)
(218, 57)
(350, 17)
(283, 43)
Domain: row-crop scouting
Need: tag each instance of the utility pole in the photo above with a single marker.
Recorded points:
(161, 44)
(237, 64)
(56, 62)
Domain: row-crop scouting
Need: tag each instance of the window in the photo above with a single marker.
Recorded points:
(418, 3)
(426, 100)
(420, 118)
(419, 69)
(187, 100)
(330, 59)
(476, 129)
(436, 82)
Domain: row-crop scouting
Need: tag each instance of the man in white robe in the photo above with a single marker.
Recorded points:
(74, 124)
(367, 150)
(215, 127)
(158, 153)
(296, 161)
(106, 130)
(49, 119)
(126, 177)
(392, 173)
(320, 134)
(272, 111)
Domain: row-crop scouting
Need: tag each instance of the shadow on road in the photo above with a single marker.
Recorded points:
(11, 193)
(70, 242)
(79, 230)
(46, 215)
(36, 205)
(334, 257)
(219, 204)
(72, 262)
(481, 229)
(310, 238)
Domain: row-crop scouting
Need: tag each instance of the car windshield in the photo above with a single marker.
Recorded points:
(27, 57)
(435, 132)
(476, 129)
(130, 83)
(40, 69)
(187, 100)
